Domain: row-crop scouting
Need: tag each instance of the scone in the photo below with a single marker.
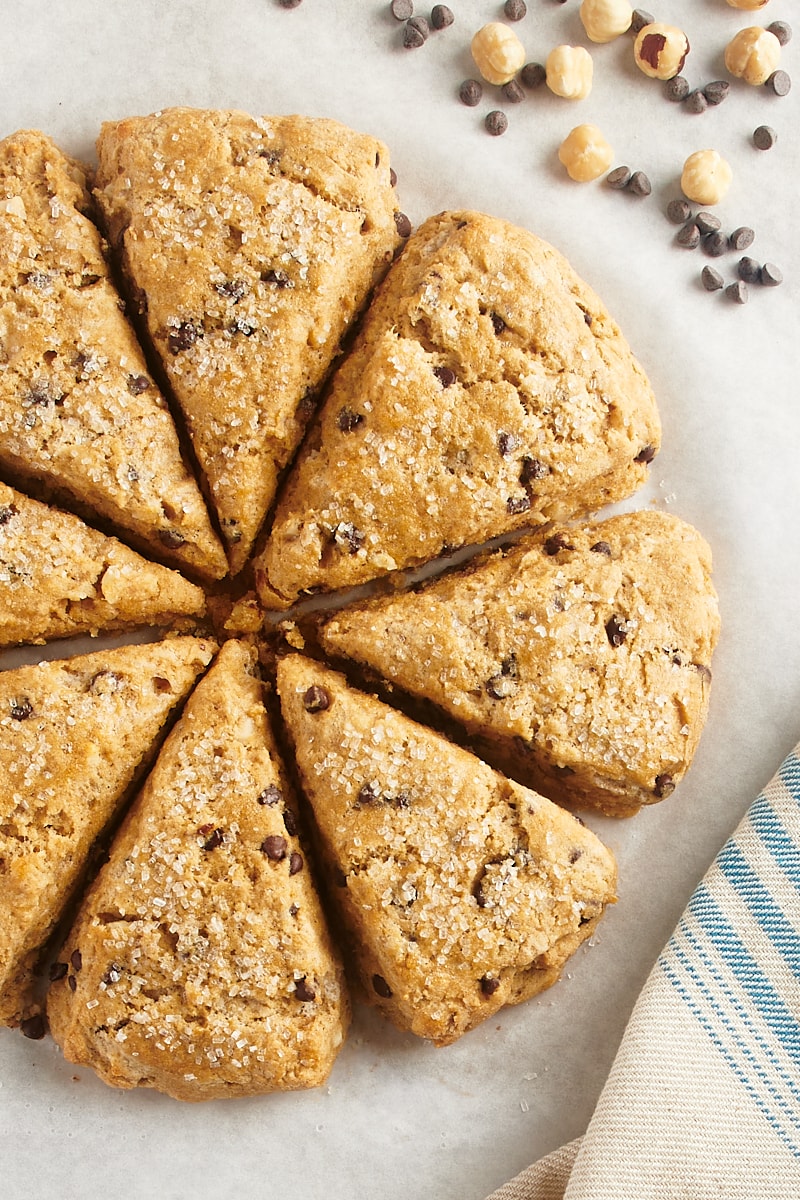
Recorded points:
(199, 963)
(488, 389)
(59, 577)
(73, 736)
(579, 659)
(79, 412)
(251, 244)
(460, 890)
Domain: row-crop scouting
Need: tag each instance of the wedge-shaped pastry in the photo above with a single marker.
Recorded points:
(251, 245)
(60, 577)
(200, 963)
(73, 735)
(488, 389)
(79, 412)
(579, 658)
(460, 890)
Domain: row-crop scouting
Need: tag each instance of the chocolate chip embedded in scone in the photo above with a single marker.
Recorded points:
(250, 244)
(73, 736)
(80, 415)
(488, 389)
(460, 891)
(200, 963)
(59, 577)
(579, 659)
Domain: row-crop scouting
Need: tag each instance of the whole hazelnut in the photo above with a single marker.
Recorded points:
(706, 177)
(569, 72)
(753, 54)
(748, 4)
(605, 20)
(660, 50)
(498, 53)
(585, 153)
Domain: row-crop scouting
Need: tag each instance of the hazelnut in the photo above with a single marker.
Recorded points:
(585, 153)
(569, 72)
(753, 54)
(660, 50)
(498, 53)
(706, 177)
(605, 20)
(748, 4)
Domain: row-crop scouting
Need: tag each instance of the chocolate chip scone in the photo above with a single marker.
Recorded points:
(199, 963)
(79, 412)
(60, 577)
(251, 243)
(488, 389)
(73, 736)
(460, 890)
(578, 659)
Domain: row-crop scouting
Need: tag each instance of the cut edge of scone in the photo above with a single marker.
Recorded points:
(60, 577)
(74, 735)
(81, 417)
(460, 891)
(200, 963)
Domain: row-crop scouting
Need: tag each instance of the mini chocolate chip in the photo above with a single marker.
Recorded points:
(316, 699)
(21, 709)
(770, 275)
(555, 543)
(368, 793)
(646, 454)
(575, 854)
(33, 1027)
(76, 960)
(402, 9)
(295, 863)
(781, 30)
(381, 987)
(138, 384)
(748, 270)
(415, 34)
(290, 822)
(506, 442)
(183, 337)
(678, 211)
(244, 326)
(496, 122)
(489, 985)
(764, 137)
(290, 3)
(696, 102)
(665, 785)
(515, 10)
(303, 990)
(532, 469)
(716, 91)
(533, 75)
(741, 238)
(171, 538)
(348, 420)
(715, 244)
(232, 289)
(348, 537)
(278, 277)
(271, 795)
(501, 687)
(216, 839)
(113, 974)
(392, 177)
(517, 504)
(616, 630)
(707, 222)
(57, 971)
(133, 475)
(639, 184)
(688, 236)
(7, 511)
(588, 318)
(403, 224)
(640, 18)
(73, 983)
(445, 375)
(274, 847)
(738, 292)
(470, 92)
(293, 910)
(513, 92)
(619, 178)
(677, 88)
(441, 16)
(601, 548)
(498, 324)
(711, 279)
(779, 83)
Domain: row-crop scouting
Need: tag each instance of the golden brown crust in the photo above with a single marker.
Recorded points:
(488, 389)
(252, 244)
(79, 411)
(461, 891)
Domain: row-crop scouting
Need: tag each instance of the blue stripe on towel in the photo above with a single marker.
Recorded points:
(771, 918)
(772, 832)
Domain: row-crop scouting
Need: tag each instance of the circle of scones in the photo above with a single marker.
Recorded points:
(486, 390)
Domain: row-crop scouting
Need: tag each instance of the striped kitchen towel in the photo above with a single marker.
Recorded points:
(703, 1099)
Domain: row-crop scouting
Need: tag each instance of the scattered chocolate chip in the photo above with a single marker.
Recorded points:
(688, 236)
(677, 88)
(639, 19)
(498, 323)
(183, 337)
(441, 16)
(271, 795)
(507, 442)
(57, 971)
(470, 92)
(73, 983)
(588, 318)
(741, 238)
(295, 863)
(678, 211)
(711, 280)
(665, 785)
(619, 178)
(347, 537)
(707, 222)
(276, 276)
(392, 177)
(415, 33)
(532, 469)
(290, 3)
(348, 420)
(316, 699)
(715, 244)
(76, 960)
(646, 454)
(716, 91)
(515, 10)
(517, 504)
(738, 292)
(764, 137)
(500, 687)
(748, 270)
(496, 122)
(402, 9)
(216, 838)
(33, 1027)
(533, 75)
(575, 854)
(113, 974)
(779, 83)
(616, 630)
(293, 910)
(513, 92)
(274, 847)
(639, 184)
(303, 991)
(290, 822)
(781, 30)
(445, 375)
(243, 325)
(381, 987)
(171, 538)
(402, 224)
(138, 384)
(601, 548)
(770, 275)
(21, 709)
(556, 543)
(489, 985)
(696, 102)
(7, 511)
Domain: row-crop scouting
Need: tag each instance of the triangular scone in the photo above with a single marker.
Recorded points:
(488, 389)
(79, 411)
(73, 735)
(460, 890)
(579, 658)
(200, 963)
(251, 243)
(60, 577)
